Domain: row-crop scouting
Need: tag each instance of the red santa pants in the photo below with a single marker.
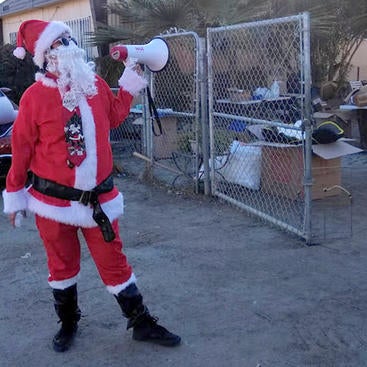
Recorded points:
(63, 252)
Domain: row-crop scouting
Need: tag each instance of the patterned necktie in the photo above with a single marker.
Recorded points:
(74, 138)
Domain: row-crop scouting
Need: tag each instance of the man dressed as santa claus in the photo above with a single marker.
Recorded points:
(61, 136)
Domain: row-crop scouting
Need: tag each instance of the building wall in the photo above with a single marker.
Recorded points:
(359, 63)
(64, 11)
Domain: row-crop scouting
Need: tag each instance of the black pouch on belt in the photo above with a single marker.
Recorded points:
(101, 219)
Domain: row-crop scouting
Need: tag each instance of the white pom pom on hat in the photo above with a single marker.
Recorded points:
(36, 36)
(19, 53)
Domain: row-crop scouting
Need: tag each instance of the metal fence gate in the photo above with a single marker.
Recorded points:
(259, 118)
(173, 154)
(175, 150)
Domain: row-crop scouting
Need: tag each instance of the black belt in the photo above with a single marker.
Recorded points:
(51, 188)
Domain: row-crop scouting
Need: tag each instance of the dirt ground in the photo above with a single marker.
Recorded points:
(239, 292)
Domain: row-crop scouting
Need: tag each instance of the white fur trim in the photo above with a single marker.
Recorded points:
(47, 82)
(116, 289)
(76, 214)
(52, 31)
(86, 173)
(63, 284)
(19, 53)
(132, 82)
(15, 201)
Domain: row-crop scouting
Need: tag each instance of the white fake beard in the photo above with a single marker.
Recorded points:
(75, 74)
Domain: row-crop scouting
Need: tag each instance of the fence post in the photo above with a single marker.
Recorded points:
(203, 77)
(147, 132)
(308, 128)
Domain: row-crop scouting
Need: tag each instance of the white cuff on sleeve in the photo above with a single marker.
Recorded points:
(15, 201)
(132, 82)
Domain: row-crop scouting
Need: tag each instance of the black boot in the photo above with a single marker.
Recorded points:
(145, 327)
(66, 307)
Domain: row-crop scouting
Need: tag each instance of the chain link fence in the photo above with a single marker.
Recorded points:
(171, 144)
(259, 83)
(176, 96)
(235, 116)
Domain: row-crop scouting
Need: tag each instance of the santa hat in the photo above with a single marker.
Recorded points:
(36, 36)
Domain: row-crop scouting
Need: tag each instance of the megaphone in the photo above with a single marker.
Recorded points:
(154, 54)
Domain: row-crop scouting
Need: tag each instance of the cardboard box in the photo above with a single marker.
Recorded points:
(165, 144)
(326, 177)
(283, 169)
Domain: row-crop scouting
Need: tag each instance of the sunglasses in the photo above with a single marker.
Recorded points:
(63, 41)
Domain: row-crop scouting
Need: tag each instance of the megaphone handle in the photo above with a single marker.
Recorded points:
(154, 111)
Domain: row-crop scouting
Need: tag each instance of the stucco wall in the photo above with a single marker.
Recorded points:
(64, 11)
(359, 63)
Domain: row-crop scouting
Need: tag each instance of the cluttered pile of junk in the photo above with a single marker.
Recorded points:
(272, 161)
(346, 106)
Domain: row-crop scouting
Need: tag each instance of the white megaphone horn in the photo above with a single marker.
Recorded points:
(154, 54)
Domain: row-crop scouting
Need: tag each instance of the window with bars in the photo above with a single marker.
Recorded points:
(81, 28)
(13, 38)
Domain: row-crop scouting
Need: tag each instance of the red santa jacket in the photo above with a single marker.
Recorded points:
(38, 144)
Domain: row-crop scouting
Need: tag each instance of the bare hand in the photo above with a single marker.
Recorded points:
(137, 68)
(12, 219)
(12, 216)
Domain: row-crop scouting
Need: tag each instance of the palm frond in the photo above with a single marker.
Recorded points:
(110, 34)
